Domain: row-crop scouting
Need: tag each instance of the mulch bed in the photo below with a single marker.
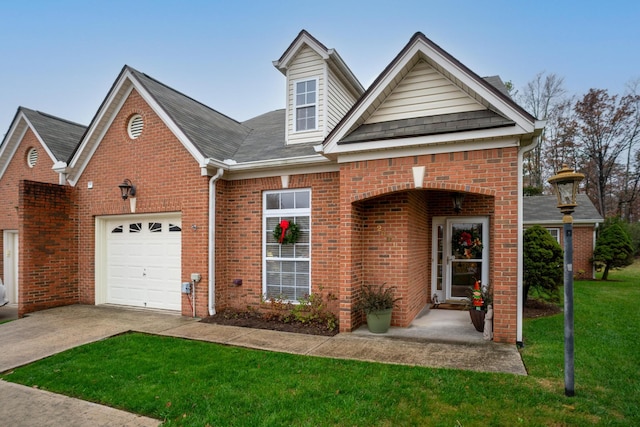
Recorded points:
(537, 308)
(254, 319)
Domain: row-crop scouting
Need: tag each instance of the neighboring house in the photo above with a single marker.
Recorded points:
(368, 177)
(543, 211)
(34, 143)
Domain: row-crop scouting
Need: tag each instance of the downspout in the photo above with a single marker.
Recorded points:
(212, 241)
(520, 272)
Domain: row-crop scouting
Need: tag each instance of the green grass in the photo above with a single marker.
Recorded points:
(197, 384)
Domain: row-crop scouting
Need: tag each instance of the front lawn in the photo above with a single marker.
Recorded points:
(198, 384)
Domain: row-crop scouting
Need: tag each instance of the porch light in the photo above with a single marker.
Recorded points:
(127, 189)
(566, 184)
(457, 199)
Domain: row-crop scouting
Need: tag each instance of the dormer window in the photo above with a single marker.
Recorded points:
(305, 96)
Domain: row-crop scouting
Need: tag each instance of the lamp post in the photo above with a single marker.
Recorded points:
(566, 184)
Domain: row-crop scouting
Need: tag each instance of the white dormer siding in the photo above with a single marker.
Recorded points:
(423, 92)
(340, 101)
(307, 65)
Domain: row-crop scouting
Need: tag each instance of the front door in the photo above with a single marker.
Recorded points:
(467, 255)
(11, 247)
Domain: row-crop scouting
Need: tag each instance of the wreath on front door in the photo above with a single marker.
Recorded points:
(286, 232)
(467, 243)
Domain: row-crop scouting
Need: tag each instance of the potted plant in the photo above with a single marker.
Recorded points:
(478, 299)
(377, 303)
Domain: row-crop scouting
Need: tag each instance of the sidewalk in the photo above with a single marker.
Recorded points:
(49, 332)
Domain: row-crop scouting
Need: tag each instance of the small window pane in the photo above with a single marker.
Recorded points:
(155, 227)
(288, 200)
(302, 199)
(118, 229)
(173, 227)
(273, 201)
(311, 85)
(135, 227)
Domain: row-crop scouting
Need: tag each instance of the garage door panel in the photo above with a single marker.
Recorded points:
(144, 262)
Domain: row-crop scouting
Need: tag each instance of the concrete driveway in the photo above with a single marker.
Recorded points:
(48, 332)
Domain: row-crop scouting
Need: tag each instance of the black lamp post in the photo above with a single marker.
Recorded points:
(566, 184)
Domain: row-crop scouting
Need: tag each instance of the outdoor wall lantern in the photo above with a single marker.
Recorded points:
(457, 199)
(127, 189)
(566, 184)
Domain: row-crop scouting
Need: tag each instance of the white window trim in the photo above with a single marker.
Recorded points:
(557, 230)
(296, 106)
(270, 213)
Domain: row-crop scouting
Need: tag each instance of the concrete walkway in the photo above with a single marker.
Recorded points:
(430, 341)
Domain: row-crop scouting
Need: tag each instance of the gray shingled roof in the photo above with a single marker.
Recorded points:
(267, 140)
(214, 134)
(497, 82)
(431, 125)
(544, 209)
(61, 136)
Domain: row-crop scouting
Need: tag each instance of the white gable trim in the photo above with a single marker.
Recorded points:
(283, 63)
(450, 69)
(418, 149)
(14, 138)
(104, 119)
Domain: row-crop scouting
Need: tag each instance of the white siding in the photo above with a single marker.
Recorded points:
(340, 101)
(306, 65)
(423, 92)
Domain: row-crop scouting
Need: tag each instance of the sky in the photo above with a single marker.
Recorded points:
(62, 57)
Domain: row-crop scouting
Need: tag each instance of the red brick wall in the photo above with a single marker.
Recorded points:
(489, 177)
(18, 170)
(48, 269)
(582, 250)
(167, 178)
(239, 236)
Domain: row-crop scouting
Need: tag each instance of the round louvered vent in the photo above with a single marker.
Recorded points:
(32, 157)
(135, 126)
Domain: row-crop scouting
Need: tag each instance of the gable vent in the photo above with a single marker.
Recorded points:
(135, 126)
(32, 157)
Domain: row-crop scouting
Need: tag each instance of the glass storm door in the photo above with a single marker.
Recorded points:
(467, 254)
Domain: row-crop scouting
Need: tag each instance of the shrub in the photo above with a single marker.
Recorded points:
(613, 248)
(543, 258)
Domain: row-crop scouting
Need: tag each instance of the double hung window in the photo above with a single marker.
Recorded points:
(286, 266)
(305, 104)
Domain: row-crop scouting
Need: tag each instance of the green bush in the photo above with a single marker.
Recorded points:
(613, 247)
(543, 260)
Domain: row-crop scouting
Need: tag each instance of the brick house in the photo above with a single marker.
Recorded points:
(34, 142)
(368, 177)
(543, 211)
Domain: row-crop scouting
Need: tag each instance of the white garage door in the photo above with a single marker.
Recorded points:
(143, 262)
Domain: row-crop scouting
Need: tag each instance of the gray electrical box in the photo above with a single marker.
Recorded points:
(186, 287)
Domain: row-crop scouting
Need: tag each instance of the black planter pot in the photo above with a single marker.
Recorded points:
(477, 318)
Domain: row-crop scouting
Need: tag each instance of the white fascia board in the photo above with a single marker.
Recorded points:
(423, 150)
(211, 166)
(479, 136)
(244, 172)
(12, 142)
(559, 223)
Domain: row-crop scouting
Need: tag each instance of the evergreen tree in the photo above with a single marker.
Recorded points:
(542, 262)
(613, 248)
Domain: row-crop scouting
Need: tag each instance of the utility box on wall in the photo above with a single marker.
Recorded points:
(186, 287)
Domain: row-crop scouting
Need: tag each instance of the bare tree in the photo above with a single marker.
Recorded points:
(540, 97)
(604, 130)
